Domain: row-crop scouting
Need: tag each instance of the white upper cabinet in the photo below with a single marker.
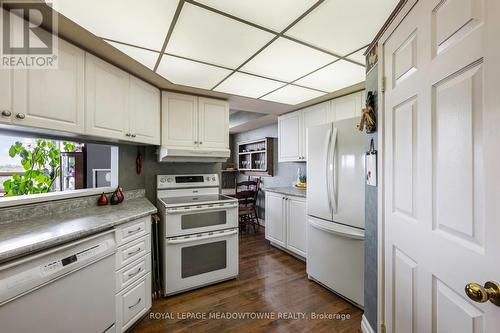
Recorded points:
(290, 137)
(107, 99)
(144, 112)
(213, 123)
(179, 121)
(292, 127)
(194, 122)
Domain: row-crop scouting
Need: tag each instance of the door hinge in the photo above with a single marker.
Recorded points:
(382, 328)
(383, 84)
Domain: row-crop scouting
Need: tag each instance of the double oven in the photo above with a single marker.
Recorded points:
(198, 232)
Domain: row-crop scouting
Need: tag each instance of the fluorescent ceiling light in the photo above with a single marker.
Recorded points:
(342, 26)
(203, 35)
(141, 23)
(145, 57)
(286, 60)
(247, 85)
(263, 12)
(190, 73)
(338, 75)
(292, 95)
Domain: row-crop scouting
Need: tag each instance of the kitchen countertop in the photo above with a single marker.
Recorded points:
(289, 190)
(19, 238)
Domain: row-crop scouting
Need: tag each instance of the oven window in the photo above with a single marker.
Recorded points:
(203, 258)
(198, 220)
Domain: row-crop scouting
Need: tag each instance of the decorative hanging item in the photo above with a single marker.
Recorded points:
(138, 162)
(103, 200)
(371, 165)
(368, 118)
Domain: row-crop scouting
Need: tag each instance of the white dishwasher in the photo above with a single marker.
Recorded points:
(70, 288)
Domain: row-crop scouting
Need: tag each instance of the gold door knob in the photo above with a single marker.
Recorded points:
(480, 294)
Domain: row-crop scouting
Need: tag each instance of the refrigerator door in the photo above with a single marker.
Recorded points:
(349, 174)
(319, 171)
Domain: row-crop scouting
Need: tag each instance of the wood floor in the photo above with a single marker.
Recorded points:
(270, 283)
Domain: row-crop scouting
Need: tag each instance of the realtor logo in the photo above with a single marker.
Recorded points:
(28, 35)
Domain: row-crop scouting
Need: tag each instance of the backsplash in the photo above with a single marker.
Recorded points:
(18, 213)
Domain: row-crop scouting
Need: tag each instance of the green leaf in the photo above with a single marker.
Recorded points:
(12, 151)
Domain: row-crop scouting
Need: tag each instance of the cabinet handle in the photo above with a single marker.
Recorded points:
(134, 252)
(201, 143)
(136, 303)
(20, 116)
(135, 273)
(134, 231)
(128, 134)
(6, 113)
(133, 135)
(196, 142)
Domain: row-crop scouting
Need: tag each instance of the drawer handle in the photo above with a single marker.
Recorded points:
(136, 303)
(134, 231)
(134, 252)
(135, 273)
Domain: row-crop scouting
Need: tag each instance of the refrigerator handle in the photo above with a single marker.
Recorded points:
(339, 230)
(328, 171)
(332, 173)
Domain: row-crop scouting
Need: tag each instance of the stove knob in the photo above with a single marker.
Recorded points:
(213, 179)
(170, 180)
(207, 179)
(162, 180)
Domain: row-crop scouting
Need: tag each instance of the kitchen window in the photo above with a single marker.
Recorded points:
(38, 166)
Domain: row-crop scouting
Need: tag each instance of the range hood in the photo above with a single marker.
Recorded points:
(166, 154)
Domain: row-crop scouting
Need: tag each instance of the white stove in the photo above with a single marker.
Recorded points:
(198, 232)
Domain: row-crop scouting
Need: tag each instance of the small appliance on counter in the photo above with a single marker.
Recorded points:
(198, 232)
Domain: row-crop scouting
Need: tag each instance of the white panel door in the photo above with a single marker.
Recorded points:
(275, 218)
(144, 112)
(314, 115)
(107, 99)
(290, 137)
(52, 98)
(213, 123)
(441, 164)
(179, 120)
(296, 225)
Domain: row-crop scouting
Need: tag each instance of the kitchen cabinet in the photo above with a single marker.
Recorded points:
(292, 127)
(192, 122)
(51, 99)
(275, 218)
(118, 105)
(286, 222)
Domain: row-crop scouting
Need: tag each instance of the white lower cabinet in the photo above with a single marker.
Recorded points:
(132, 272)
(286, 222)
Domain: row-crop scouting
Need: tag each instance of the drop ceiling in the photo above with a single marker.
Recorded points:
(283, 51)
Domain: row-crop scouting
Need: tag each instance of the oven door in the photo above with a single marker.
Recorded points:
(190, 220)
(198, 260)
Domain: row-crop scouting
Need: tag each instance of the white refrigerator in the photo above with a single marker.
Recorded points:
(336, 208)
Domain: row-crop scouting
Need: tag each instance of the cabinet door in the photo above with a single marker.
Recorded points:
(290, 137)
(213, 123)
(6, 113)
(179, 121)
(296, 225)
(144, 112)
(52, 98)
(346, 107)
(107, 102)
(275, 218)
(314, 115)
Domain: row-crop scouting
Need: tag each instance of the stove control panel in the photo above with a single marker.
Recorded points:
(187, 181)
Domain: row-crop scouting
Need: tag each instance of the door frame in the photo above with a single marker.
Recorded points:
(398, 16)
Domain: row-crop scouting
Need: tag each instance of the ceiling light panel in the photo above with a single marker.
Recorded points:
(190, 73)
(342, 26)
(141, 23)
(145, 57)
(203, 35)
(358, 56)
(338, 75)
(263, 12)
(248, 85)
(286, 60)
(292, 95)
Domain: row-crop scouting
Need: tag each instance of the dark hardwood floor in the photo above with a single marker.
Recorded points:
(270, 282)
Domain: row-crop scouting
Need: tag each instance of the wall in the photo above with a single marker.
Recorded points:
(285, 174)
(129, 179)
(371, 202)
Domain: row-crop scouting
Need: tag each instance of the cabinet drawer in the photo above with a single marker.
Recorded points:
(133, 302)
(132, 272)
(132, 251)
(132, 230)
